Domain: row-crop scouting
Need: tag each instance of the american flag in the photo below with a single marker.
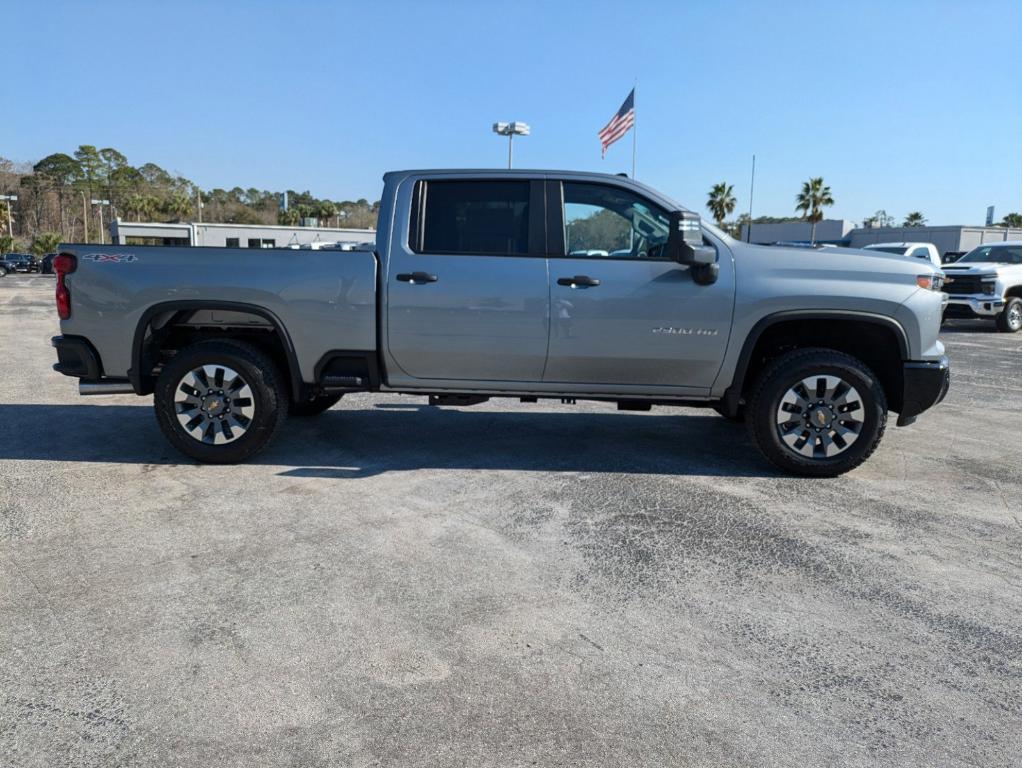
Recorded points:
(619, 124)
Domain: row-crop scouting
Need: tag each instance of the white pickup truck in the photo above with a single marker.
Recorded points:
(925, 251)
(987, 282)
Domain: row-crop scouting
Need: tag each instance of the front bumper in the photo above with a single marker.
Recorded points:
(979, 305)
(925, 384)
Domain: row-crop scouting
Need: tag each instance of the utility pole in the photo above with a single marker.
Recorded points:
(752, 187)
(85, 218)
(10, 224)
(100, 204)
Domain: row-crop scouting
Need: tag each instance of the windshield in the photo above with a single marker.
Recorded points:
(999, 254)
(898, 249)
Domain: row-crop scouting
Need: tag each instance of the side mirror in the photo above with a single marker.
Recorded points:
(685, 246)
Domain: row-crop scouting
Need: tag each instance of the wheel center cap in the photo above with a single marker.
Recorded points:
(213, 405)
(820, 416)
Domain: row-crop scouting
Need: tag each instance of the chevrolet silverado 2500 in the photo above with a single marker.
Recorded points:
(987, 282)
(527, 284)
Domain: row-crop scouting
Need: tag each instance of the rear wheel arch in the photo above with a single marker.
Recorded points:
(165, 316)
(878, 341)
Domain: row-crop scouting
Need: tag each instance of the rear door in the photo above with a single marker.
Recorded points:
(467, 295)
(621, 313)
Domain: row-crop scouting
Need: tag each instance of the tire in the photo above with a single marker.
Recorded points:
(3, 271)
(1010, 319)
(797, 445)
(315, 406)
(220, 436)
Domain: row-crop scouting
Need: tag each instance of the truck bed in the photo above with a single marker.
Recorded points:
(323, 300)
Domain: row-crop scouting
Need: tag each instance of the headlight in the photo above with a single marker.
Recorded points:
(932, 282)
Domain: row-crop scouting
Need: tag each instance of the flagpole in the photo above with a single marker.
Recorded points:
(635, 121)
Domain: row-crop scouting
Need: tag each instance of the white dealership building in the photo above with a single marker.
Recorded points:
(231, 235)
(948, 239)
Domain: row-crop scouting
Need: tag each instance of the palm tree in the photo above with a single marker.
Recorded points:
(721, 202)
(914, 219)
(811, 201)
(176, 205)
(1012, 220)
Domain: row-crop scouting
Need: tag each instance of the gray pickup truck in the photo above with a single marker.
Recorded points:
(525, 284)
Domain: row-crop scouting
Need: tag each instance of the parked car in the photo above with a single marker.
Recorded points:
(472, 293)
(19, 262)
(46, 264)
(987, 282)
(925, 251)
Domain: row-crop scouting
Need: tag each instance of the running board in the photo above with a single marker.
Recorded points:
(105, 388)
(457, 399)
(343, 383)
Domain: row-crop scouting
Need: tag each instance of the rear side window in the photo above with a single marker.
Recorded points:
(481, 217)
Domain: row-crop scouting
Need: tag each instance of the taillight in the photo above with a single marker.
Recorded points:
(64, 265)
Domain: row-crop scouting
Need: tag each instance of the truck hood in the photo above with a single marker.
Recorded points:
(854, 259)
(978, 268)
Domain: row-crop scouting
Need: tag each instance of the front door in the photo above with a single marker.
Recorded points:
(467, 296)
(621, 313)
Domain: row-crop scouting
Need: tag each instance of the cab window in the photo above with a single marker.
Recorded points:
(466, 217)
(602, 221)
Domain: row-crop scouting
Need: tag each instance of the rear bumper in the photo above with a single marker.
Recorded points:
(974, 306)
(925, 384)
(76, 357)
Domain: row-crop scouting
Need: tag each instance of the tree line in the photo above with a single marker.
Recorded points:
(55, 200)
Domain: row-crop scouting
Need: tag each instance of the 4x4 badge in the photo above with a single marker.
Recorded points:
(110, 258)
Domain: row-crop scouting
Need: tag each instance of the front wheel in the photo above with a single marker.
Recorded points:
(220, 402)
(817, 412)
(1010, 319)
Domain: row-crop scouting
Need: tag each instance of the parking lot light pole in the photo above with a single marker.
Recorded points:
(10, 225)
(101, 203)
(511, 130)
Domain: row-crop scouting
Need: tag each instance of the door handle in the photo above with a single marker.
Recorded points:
(417, 277)
(578, 281)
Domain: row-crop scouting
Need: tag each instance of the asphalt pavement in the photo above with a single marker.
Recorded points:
(391, 584)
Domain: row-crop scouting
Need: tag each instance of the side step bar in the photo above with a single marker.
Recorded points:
(105, 388)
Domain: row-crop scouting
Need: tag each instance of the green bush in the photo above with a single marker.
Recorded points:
(45, 242)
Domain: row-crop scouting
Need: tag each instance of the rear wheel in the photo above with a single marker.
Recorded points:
(3, 271)
(1010, 319)
(315, 406)
(220, 402)
(817, 412)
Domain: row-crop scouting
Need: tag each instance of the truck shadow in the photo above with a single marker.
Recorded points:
(968, 326)
(349, 443)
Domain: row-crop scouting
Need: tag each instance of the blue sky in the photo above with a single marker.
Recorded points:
(899, 105)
